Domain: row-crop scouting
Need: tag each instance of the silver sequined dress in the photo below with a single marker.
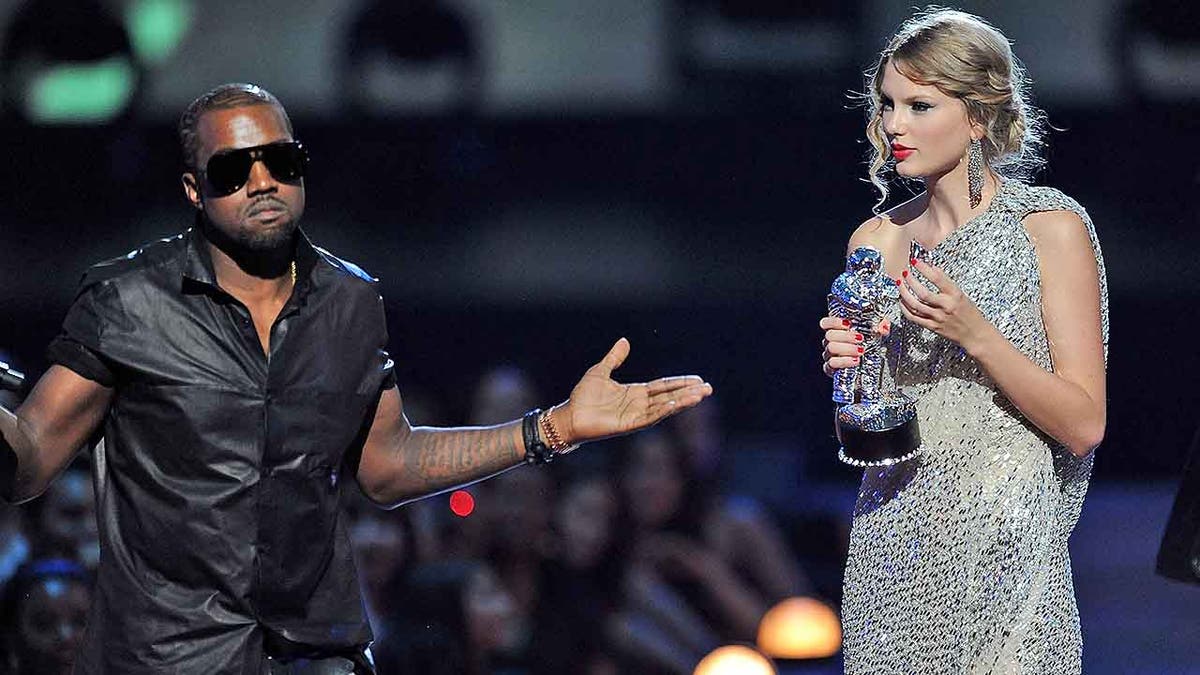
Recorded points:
(958, 559)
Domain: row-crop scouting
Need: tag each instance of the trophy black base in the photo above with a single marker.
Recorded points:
(877, 447)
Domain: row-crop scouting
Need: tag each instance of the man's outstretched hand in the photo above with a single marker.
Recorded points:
(600, 407)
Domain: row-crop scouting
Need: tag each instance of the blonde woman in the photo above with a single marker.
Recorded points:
(958, 558)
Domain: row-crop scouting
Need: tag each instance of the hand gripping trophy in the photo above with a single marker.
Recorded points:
(876, 425)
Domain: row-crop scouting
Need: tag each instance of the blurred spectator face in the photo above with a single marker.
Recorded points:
(518, 507)
(584, 520)
(490, 611)
(50, 625)
(67, 526)
(699, 432)
(379, 549)
(503, 394)
(653, 483)
(14, 547)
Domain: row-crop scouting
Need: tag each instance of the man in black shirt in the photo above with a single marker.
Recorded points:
(1179, 552)
(240, 373)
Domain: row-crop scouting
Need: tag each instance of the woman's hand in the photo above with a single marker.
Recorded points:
(843, 345)
(947, 312)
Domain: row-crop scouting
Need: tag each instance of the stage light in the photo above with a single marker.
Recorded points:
(734, 660)
(157, 27)
(81, 92)
(800, 628)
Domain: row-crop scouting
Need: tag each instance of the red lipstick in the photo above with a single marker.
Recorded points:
(900, 152)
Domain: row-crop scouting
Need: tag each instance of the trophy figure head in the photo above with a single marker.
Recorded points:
(864, 260)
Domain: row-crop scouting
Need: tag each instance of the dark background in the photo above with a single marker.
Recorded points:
(709, 241)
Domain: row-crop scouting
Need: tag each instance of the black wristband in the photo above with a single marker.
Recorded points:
(536, 451)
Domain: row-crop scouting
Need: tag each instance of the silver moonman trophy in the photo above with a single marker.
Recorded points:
(876, 426)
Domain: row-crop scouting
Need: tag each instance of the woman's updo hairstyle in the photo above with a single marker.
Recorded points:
(964, 57)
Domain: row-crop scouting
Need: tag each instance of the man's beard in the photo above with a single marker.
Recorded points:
(260, 253)
(259, 241)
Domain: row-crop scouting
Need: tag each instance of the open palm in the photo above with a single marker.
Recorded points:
(600, 407)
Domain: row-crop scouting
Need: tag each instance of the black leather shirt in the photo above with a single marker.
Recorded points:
(218, 479)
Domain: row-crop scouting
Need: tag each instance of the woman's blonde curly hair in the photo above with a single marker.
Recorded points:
(964, 57)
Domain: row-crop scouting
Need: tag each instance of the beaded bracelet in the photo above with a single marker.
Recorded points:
(556, 442)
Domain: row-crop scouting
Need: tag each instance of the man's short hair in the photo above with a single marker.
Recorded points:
(223, 97)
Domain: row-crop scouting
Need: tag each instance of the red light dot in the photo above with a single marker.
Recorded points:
(462, 503)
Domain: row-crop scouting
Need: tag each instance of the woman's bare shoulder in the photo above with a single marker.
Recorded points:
(887, 228)
(875, 231)
(889, 232)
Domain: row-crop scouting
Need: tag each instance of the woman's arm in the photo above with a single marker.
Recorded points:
(1069, 403)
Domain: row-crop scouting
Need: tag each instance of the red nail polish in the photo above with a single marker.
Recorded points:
(898, 282)
(846, 323)
(860, 350)
(912, 261)
(904, 274)
(858, 336)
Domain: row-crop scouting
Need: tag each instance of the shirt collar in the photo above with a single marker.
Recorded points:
(197, 267)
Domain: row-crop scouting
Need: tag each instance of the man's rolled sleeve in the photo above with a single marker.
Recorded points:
(387, 367)
(389, 372)
(71, 354)
(79, 346)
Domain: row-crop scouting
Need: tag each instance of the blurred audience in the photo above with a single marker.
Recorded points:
(580, 581)
(702, 569)
(738, 526)
(455, 617)
(14, 545)
(385, 548)
(518, 543)
(503, 394)
(43, 612)
(64, 518)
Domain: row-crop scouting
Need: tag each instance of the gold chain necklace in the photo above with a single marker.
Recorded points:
(293, 269)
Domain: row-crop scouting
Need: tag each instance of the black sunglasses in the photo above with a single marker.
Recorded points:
(227, 172)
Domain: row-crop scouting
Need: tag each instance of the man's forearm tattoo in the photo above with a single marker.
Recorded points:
(448, 456)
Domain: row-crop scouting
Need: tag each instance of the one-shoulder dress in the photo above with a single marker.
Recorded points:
(958, 559)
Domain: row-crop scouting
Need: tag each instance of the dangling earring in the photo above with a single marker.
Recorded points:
(975, 171)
